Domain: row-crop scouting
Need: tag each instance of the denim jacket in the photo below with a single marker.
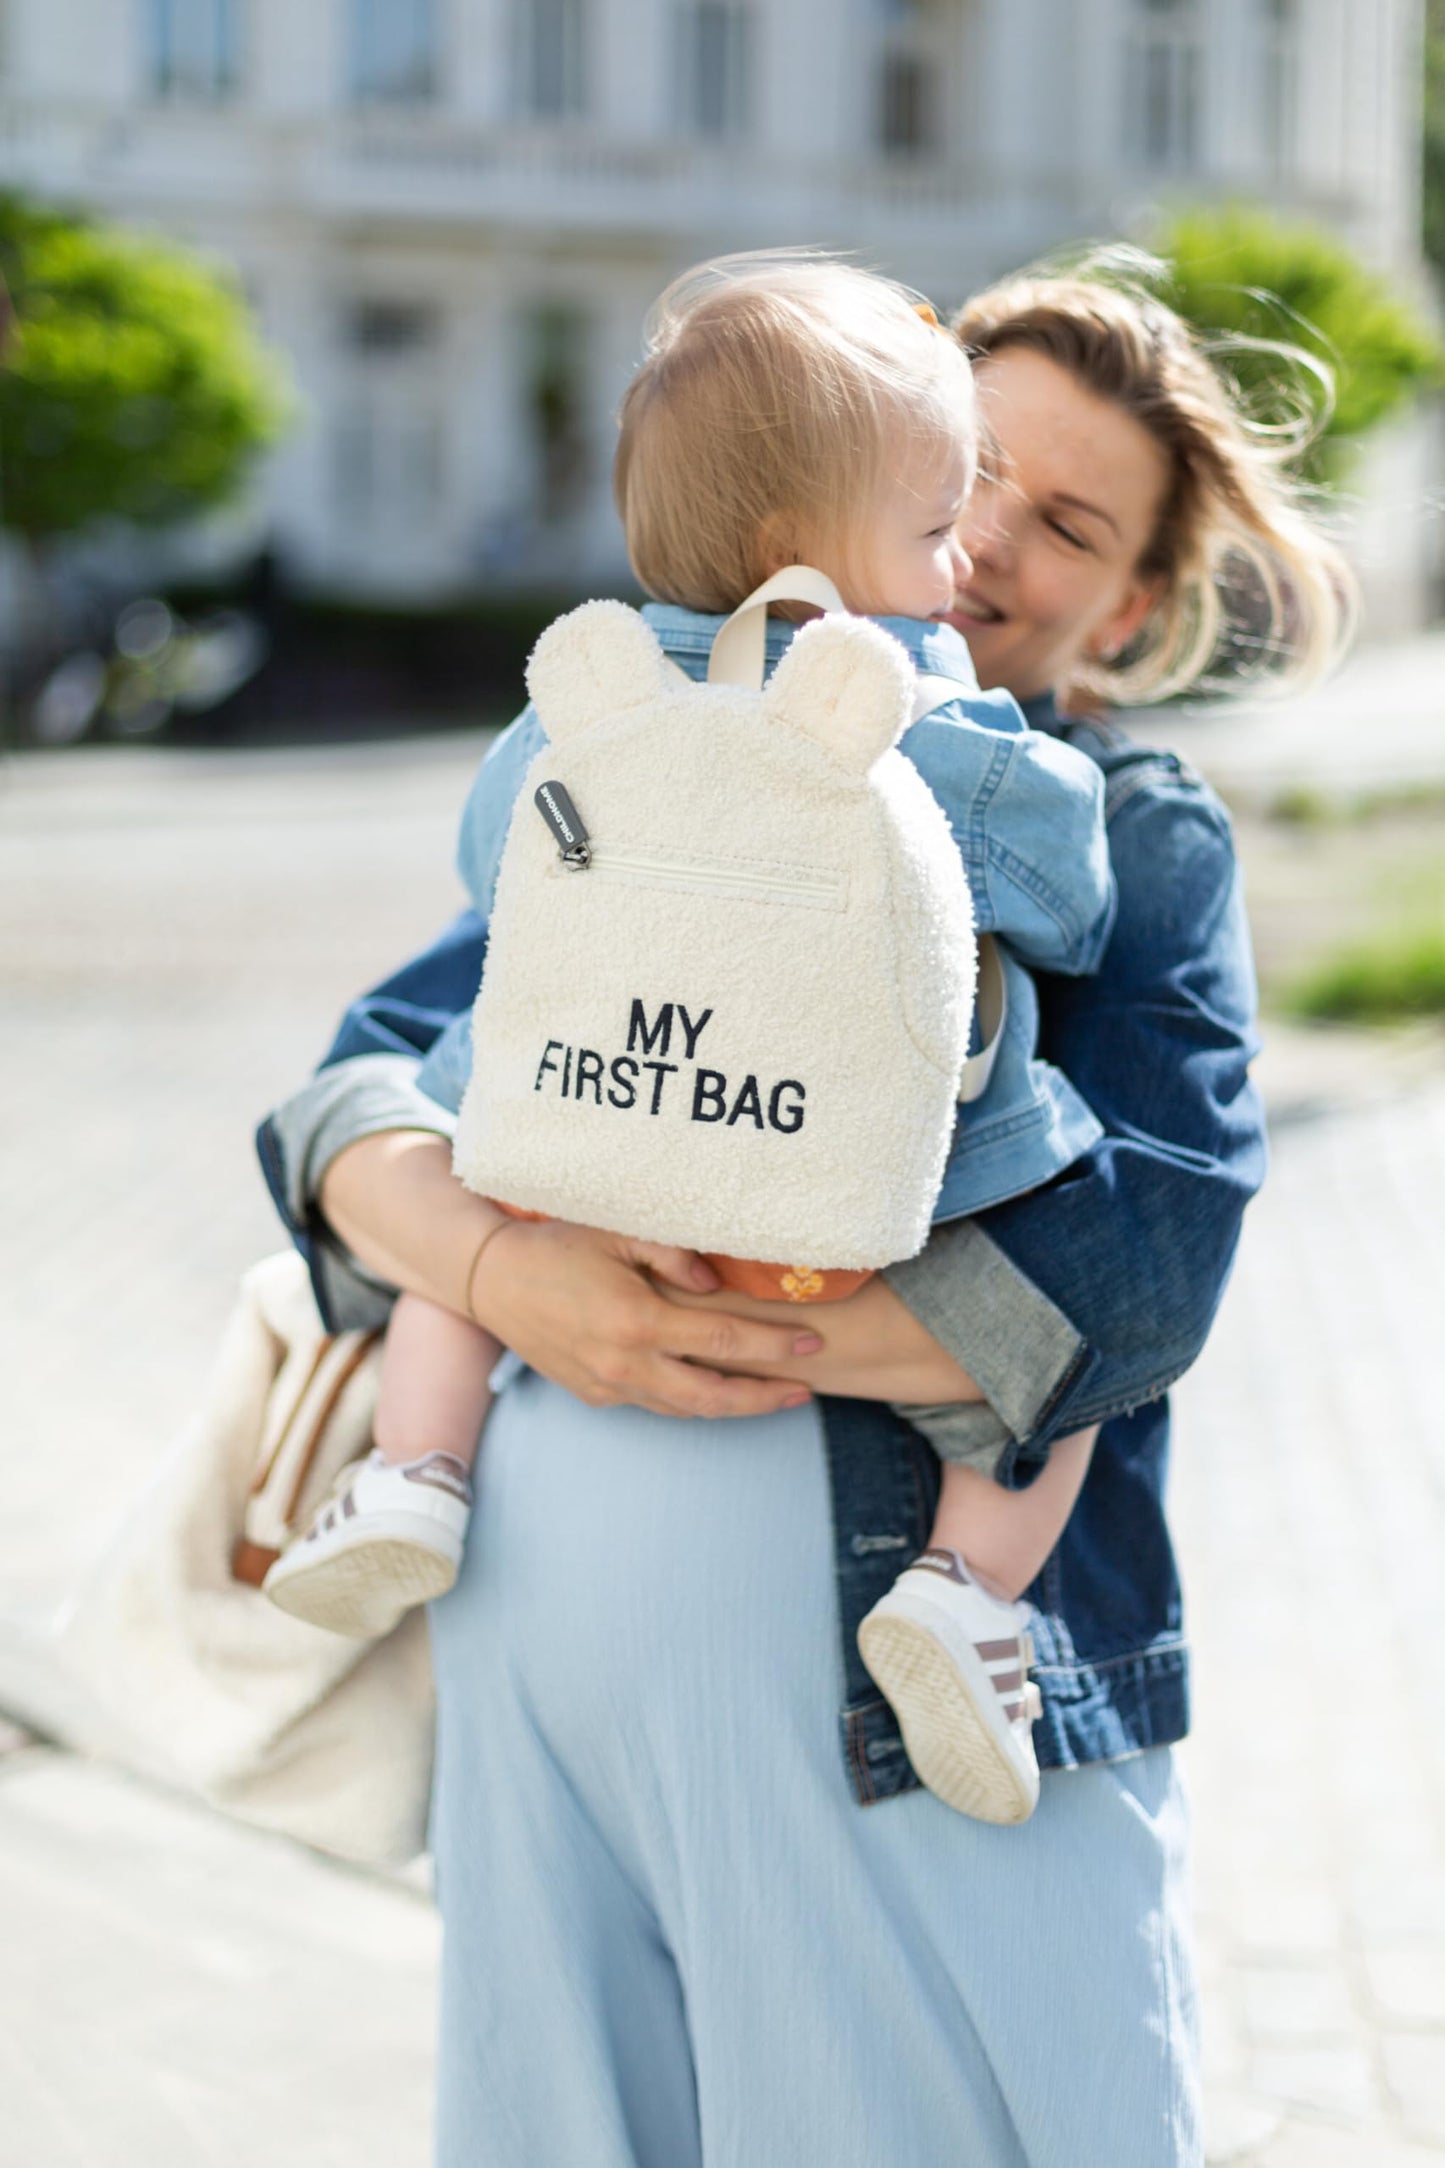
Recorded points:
(1132, 1246)
(1074, 1304)
(1027, 816)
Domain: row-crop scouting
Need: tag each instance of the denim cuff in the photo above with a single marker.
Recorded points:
(362, 1097)
(357, 1098)
(1019, 1349)
(969, 1433)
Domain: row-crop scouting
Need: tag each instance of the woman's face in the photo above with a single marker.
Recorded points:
(1056, 527)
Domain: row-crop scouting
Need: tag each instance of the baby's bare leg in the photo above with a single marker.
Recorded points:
(434, 1396)
(1005, 1536)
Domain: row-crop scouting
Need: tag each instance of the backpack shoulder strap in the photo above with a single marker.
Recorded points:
(992, 1001)
(932, 691)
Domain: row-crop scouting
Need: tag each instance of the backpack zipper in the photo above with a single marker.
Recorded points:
(823, 891)
(578, 853)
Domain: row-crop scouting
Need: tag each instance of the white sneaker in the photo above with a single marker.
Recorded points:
(953, 1662)
(389, 1538)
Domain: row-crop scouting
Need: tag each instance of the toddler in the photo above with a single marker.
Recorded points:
(794, 411)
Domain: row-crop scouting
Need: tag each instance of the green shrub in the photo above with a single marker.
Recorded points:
(1239, 275)
(1379, 981)
(135, 384)
(1434, 146)
(1303, 806)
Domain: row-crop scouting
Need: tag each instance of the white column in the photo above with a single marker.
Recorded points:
(79, 50)
(634, 71)
(619, 306)
(476, 40)
(1365, 121)
(817, 89)
(486, 425)
(1385, 60)
(1101, 171)
(295, 57)
(1232, 152)
(299, 317)
(1014, 85)
(1329, 88)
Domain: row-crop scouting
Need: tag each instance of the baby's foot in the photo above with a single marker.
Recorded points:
(389, 1537)
(953, 1662)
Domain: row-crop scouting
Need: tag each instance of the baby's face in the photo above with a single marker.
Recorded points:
(909, 562)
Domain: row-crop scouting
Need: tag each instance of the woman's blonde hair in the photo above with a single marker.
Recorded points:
(1246, 576)
(776, 394)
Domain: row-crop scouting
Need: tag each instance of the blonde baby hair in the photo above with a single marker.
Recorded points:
(1240, 562)
(776, 394)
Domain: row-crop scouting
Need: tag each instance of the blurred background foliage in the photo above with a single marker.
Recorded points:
(1249, 282)
(136, 387)
(1434, 147)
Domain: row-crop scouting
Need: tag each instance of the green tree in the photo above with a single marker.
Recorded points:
(135, 384)
(1240, 275)
(1434, 145)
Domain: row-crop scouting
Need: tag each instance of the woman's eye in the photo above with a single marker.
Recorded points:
(1067, 534)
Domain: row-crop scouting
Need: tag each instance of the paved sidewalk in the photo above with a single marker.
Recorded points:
(1310, 1498)
(175, 932)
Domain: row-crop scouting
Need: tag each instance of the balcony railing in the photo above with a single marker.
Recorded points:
(432, 164)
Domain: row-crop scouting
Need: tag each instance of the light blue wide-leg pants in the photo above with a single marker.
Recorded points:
(672, 1937)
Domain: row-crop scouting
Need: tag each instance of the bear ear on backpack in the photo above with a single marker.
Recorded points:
(598, 661)
(848, 686)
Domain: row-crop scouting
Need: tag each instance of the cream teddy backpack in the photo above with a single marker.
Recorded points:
(731, 967)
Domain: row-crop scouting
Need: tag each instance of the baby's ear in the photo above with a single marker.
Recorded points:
(597, 661)
(847, 685)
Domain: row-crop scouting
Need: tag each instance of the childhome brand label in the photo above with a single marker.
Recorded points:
(646, 1076)
(565, 822)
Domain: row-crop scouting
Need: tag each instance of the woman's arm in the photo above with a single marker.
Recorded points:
(574, 1302)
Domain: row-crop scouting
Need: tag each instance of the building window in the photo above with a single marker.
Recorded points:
(905, 118)
(1279, 83)
(389, 475)
(391, 328)
(555, 391)
(1165, 69)
(913, 62)
(551, 66)
(715, 42)
(192, 48)
(392, 50)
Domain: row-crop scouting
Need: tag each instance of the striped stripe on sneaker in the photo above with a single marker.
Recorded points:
(953, 1662)
(389, 1537)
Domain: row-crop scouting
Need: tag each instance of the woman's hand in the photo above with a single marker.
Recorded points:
(872, 1346)
(578, 1305)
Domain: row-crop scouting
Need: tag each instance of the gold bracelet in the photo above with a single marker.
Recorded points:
(477, 1255)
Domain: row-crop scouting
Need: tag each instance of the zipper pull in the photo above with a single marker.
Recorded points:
(574, 845)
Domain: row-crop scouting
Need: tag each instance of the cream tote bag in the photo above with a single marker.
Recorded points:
(731, 972)
(169, 1660)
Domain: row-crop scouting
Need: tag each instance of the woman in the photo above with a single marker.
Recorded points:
(670, 1935)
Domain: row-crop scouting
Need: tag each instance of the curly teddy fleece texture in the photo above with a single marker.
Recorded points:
(742, 1024)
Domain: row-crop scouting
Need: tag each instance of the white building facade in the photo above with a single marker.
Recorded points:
(452, 214)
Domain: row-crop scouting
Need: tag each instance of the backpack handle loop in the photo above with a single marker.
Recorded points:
(739, 653)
